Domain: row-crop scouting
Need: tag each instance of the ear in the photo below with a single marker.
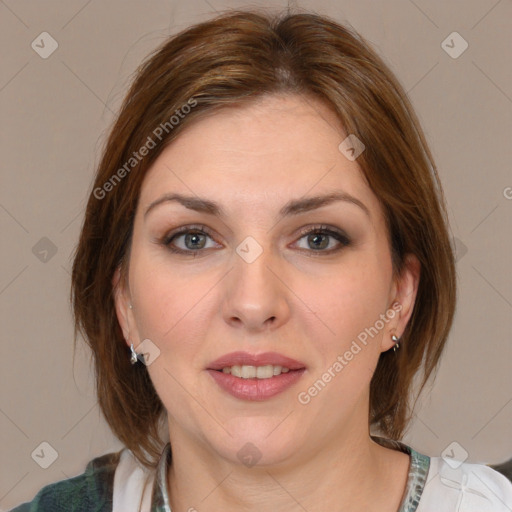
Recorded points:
(122, 303)
(402, 300)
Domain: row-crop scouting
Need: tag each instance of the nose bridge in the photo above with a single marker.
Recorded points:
(252, 277)
(254, 292)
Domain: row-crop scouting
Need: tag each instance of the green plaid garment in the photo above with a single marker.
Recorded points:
(88, 492)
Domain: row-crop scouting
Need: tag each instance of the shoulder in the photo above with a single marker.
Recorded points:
(92, 490)
(465, 487)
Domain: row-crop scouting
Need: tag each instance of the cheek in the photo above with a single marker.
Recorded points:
(171, 312)
(174, 307)
(349, 300)
(346, 356)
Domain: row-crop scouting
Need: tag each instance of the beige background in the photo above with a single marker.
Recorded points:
(55, 113)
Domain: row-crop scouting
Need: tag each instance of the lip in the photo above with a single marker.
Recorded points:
(244, 358)
(255, 389)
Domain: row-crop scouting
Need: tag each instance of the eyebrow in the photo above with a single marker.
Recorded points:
(293, 207)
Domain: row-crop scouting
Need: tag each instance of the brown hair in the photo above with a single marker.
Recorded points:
(234, 58)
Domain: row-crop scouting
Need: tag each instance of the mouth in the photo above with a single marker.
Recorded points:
(255, 377)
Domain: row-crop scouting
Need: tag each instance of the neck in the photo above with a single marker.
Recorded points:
(349, 473)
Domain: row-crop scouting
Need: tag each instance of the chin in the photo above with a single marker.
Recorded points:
(259, 441)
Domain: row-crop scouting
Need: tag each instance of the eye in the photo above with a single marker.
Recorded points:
(195, 238)
(317, 238)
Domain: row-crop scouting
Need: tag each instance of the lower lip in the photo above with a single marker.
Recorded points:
(256, 389)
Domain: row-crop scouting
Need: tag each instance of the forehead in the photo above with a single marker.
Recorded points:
(258, 154)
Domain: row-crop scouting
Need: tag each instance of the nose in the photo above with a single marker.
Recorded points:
(256, 295)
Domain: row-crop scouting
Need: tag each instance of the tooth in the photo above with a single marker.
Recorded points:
(264, 372)
(236, 370)
(248, 372)
(251, 372)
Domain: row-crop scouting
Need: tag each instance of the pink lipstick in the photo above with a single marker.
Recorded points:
(255, 377)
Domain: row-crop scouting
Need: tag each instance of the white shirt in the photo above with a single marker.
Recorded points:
(468, 488)
(434, 485)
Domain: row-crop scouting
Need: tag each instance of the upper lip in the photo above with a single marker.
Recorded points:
(244, 358)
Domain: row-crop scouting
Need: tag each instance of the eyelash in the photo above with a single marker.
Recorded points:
(203, 230)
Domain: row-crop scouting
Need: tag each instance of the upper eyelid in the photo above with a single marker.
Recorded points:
(197, 227)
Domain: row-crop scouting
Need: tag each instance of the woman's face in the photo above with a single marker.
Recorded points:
(250, 279)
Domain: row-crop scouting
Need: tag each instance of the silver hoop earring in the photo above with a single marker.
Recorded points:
(133, 357)
(397, 342)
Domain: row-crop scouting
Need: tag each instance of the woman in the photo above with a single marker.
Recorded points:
(266, 243)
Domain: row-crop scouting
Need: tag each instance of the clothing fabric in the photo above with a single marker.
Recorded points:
(116, 482)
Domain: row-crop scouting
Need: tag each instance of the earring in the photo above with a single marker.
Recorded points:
(397, 342)
(133, 357)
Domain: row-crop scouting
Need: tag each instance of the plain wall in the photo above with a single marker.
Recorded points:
(55, 114)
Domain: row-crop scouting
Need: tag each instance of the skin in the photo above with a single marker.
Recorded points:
(293, 299)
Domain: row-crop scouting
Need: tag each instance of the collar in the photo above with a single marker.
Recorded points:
(160, 496)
